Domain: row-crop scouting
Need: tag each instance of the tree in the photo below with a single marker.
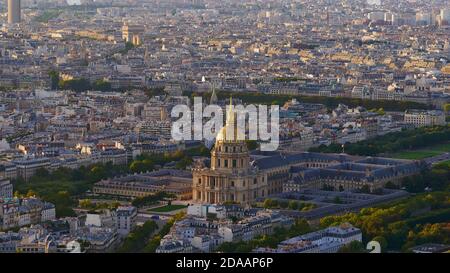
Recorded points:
(447, 107)
(151, 199)
(268, 203)
(183, 163)
(138, 166)
(353, 247)
(283, 204)
(152, 245)
(129, 45)
(42, 172)
(393, 142)
(102, 85)
(381, 112)
(85, 203)
(78, 85)
(275, 203)
(135, 241)
(293, 205)
(365, 189)
(383, 242)
(54, 79)
(414, 183)
(300, 227)
(156, 91)
(251, 144)
(31, 193)
(390, 185)
(97, 173)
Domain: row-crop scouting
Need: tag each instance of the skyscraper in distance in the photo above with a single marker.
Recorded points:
(14, 12)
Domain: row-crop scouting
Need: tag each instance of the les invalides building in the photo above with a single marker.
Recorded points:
(231, 177)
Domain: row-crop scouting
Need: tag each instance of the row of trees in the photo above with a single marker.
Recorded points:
(78, 85)
(82, 84)
(284, 204)
(136, 240)
(329, 102)
(392, 142)
(154, 242)
(144, 163)
(89, 205)
(438, 179)
(151, 199)
(402, 224)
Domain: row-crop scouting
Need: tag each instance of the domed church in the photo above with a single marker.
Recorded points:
(231, 177)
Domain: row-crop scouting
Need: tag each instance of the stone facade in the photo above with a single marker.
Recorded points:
(231, 177)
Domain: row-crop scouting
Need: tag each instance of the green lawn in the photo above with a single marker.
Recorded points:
(48, 15)
(168, 208)
(424, 152)
(415, 154)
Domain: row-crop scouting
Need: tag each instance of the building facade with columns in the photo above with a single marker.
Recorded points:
(231, 177)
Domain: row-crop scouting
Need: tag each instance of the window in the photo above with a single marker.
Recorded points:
(199, 181)
(226, 163)
(255, 181)
(218, 162)
(232, 183)
(234, 163)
